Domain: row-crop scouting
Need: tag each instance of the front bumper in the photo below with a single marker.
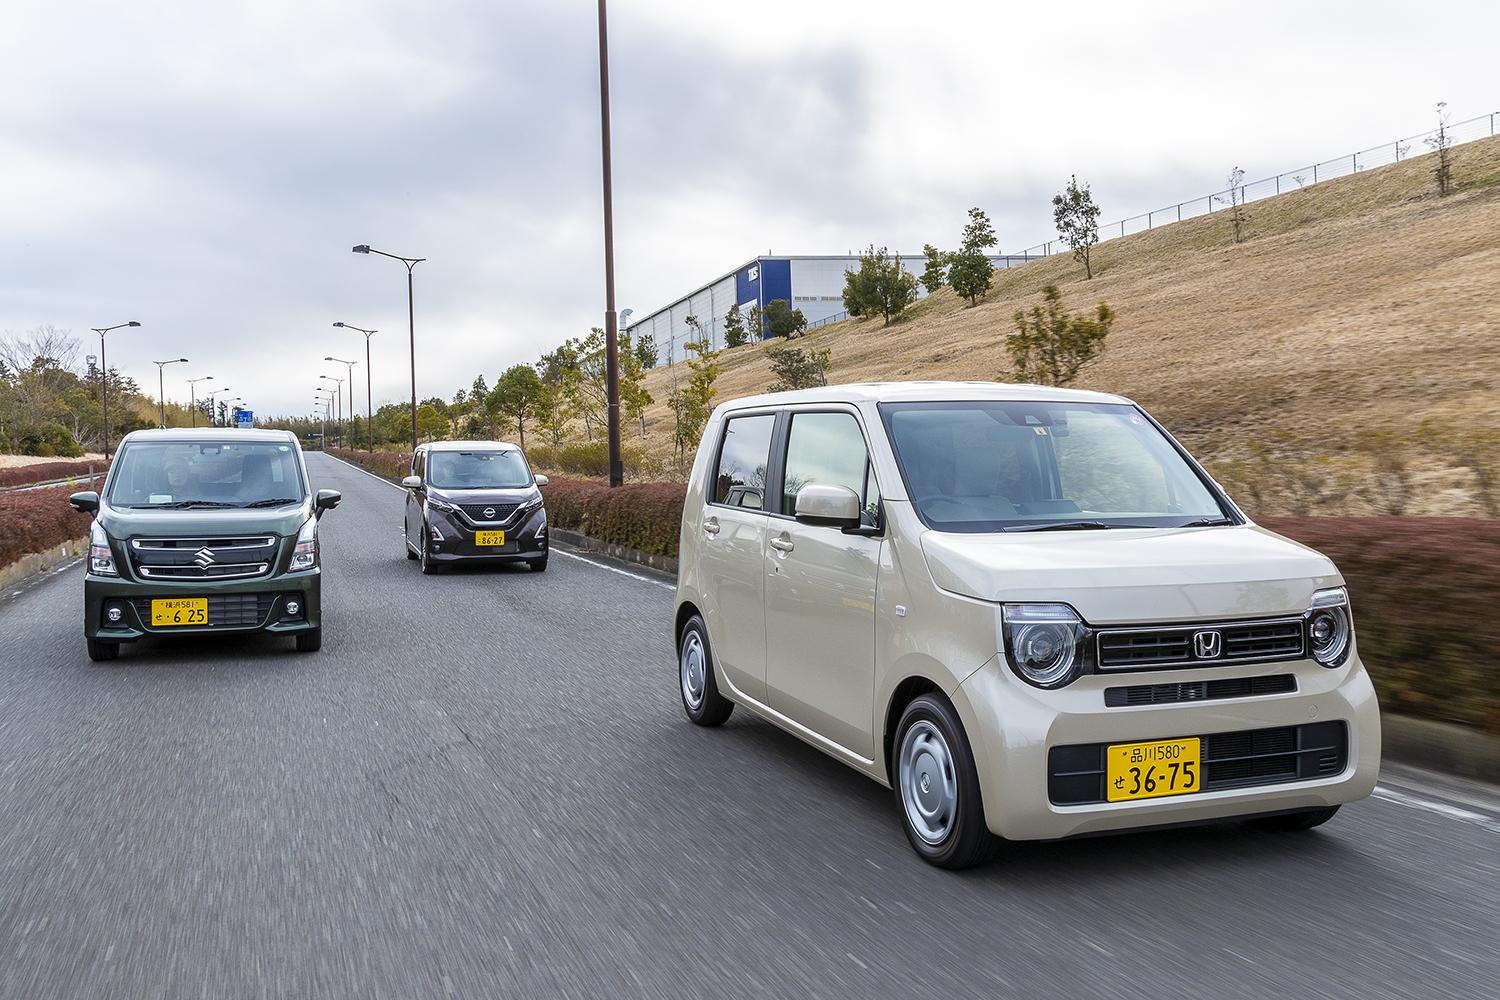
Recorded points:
(526, 540)
(1013, 728)
(256, 605)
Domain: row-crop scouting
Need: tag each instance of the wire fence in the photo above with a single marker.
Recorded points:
(1481, 127)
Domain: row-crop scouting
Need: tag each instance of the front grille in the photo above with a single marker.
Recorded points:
(1166, 646)
(1221, 687)
(488, 511)
(224, 610)
(204, 557)
(1075, 774)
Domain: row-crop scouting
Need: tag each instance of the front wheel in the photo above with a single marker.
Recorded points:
(428, 566)
(1292, 822)
(701, 699)
(310, 642)
(937, 787)
(539, 565)
(101, 652)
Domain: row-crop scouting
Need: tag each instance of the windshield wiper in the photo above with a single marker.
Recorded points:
(272, 502)
(186, 504)
(1062, 526)
(1206, 522)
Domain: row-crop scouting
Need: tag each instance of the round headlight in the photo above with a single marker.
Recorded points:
(1045, 652)
(1329, 628)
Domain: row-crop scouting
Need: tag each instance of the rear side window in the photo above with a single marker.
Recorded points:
(740, 476)
(828, 449)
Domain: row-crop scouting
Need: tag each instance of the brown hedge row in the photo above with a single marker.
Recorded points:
(43, 472)
(644, 516)
(392, 465)
(36, 520)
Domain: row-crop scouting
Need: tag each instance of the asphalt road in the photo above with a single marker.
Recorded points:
(483, 786)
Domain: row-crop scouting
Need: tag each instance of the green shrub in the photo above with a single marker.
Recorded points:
(48, 439)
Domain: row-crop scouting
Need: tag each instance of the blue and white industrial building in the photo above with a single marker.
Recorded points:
(813, 283)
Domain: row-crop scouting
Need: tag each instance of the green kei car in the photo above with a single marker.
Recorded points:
(205, 532)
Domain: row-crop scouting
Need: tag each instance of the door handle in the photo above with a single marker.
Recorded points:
(783, 544)
(711, 526)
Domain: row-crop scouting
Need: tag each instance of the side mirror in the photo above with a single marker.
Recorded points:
(326, 500)
(539, 479)
(831, 506)
(412, 482)
(86, 502)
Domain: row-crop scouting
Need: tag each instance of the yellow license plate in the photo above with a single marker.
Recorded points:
(489, 538)
(179, 611)
(1150, 770)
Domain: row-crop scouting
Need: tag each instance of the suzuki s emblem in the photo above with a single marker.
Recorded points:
(204, 557)
(489, 512)
(1207, 645)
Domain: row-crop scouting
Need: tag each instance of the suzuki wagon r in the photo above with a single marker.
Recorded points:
(1028, 611)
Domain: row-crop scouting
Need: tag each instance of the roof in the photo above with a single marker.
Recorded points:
(210, 434)
(467, 446)
(923, 392)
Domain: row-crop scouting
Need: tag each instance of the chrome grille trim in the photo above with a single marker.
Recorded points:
(1169, 647)
(218, 571)
(215, 542)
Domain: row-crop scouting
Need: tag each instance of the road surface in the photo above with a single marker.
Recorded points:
(483, 786)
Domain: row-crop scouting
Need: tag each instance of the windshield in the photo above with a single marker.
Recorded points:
(206, 473)
(1011, 466)
(477, 470)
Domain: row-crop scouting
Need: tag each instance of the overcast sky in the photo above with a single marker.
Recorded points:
(205, 167)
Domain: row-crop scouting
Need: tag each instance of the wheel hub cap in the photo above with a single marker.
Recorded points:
(928, 783)
(693, 669)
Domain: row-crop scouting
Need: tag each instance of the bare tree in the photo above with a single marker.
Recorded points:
(1441, 143)
(1235, 199)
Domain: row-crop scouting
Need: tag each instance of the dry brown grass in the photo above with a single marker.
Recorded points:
(1334, 362)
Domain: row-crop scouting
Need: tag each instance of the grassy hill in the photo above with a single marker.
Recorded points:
(1344, 359)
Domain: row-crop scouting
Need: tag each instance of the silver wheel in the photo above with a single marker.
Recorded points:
(692, 663)
(928, 781)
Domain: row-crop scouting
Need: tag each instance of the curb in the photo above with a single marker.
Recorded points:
(664, 566)
(36, 563)
(1440, 746)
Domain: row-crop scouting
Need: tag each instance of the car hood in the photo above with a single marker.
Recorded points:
(1128, 575)
(125, 522)
(519, 495)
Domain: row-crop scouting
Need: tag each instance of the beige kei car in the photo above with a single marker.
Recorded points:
(1027, 610)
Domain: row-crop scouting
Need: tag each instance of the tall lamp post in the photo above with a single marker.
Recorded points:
(411, 323)
(338, 407)
(349, 373)
(161, 391)
(213, 405)
(611, 321)
(104, 379)
(193, 395)
(369, 405)
(327, 402)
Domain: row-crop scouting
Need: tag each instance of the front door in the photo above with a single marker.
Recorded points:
(820, 588)
(414, 539)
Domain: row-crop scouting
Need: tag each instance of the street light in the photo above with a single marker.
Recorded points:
(369, 405)
(349, 374)
(213, 405)
(193, 395)
(104, 379)
(161, 391)
(611, 326)
(338, 395)
(411, 322)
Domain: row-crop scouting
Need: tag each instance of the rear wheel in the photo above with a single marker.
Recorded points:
(100, 652)
(310, 642)
(937, 787)
(1292, 822)
(701, 699)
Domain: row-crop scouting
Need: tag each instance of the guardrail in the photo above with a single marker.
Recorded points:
(23, 487)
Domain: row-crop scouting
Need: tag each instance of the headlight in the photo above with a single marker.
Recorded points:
(1045, 644)
(437, 504)
(305, 555)
(1329, 627)
(101, 558)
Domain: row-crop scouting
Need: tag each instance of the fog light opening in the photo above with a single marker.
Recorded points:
(115, 614)
(293, 609)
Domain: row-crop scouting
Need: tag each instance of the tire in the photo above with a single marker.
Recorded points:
(310, 642)
(539, 565)
(409, 553)
(937, 787)
(102, 652)
(428, 566)
(1292, 822)
(701, 699)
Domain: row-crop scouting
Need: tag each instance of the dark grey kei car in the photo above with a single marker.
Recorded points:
(474, 502)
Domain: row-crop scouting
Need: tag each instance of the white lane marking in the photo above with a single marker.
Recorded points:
(614, 569)
(1440, 808)
(561, 552)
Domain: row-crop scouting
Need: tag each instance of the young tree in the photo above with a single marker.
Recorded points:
(633, 395)
(795, 368)
(969, 269)
(1050, 346)
(735, 334)
(693, 401)
(1235, 199)
(781, 320)
(1077, 220)
(515, 396)
(646, 352)
(1441, 142)
(755, 325)
(879, 286)
(550, 414)
(584, 389)
(935, 274)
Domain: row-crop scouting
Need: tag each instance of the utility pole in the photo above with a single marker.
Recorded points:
(611, 320)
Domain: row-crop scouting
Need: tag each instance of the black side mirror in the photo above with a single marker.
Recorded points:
(326, 500)
(86, 502)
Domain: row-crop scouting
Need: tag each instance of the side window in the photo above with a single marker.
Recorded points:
(419, 465)
(828, 449)
(740, 476)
